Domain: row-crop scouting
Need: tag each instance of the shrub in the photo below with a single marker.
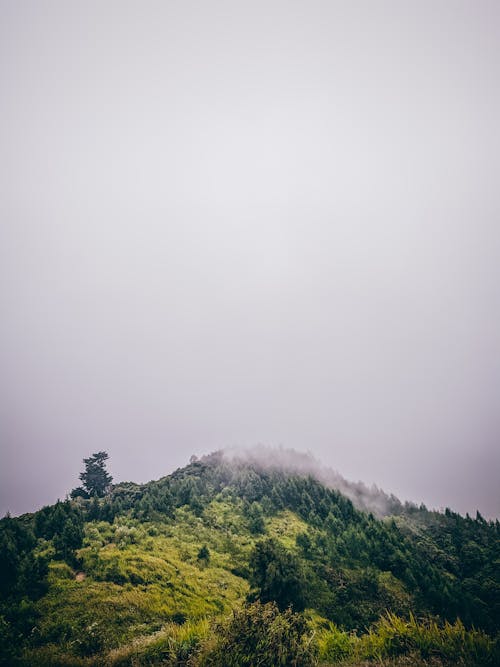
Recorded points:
(335, 645)
(259, 634)
(204, 554)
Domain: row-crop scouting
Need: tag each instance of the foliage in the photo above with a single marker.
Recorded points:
(8, 643)
(451, 643)
(423, 642)
(23, 575)
(96, 480)
(335, 645)
(259, 634)
(171, 646)
(204, 554)
(255, 517)
(22, 572)
(63, 524)
(277, 575)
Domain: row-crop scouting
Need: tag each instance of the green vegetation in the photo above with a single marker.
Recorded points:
(259, 631)
(277, 575)
(224, 560)
(96, 479)
(392, 637)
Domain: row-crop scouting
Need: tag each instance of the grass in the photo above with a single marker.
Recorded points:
(137, 579)
(399, 641)
(140, 577)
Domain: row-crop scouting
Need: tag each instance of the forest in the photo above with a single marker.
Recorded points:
(230, 562)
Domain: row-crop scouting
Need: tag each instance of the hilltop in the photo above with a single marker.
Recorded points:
(190, 568)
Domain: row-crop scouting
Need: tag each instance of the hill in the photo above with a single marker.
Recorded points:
(242, 559)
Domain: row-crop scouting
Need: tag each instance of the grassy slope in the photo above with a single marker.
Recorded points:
(140, 577)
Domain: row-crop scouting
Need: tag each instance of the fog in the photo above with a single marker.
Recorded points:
(304, 464)
(225, 224)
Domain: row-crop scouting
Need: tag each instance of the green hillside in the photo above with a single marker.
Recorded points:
(229, 562)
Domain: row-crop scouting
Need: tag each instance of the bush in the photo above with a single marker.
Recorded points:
(335, 645)
(259, 634)
(204, 554)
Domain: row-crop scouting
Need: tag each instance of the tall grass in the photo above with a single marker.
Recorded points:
(172, 645)
(393, 637)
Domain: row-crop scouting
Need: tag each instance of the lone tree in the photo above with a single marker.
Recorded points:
(96, 479)
(204, 554)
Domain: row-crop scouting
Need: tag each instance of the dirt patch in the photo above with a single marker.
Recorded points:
(80, 576)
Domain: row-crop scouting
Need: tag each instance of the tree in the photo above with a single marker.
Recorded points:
(69, 539)
(277, 575)
(255, 519)
(96, 480)
(304, 542)
(22, 573)
(204, 554)
(79, 492)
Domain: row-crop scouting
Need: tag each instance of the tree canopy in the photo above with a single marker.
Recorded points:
(277, 575)
(96, 479)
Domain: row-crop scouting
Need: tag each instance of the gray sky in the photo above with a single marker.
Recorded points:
(230, 223)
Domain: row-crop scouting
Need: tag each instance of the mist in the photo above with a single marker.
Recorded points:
(304, 464)
(224, 224)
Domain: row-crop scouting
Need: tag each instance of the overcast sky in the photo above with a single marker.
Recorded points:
(231, 223)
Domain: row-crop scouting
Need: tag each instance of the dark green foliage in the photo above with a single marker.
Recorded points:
(63, 524)
(22, 579)
(96, 480)
(22, 573)
(9, 640)
(204, 554)
(94, 510)
(69, 539)
(255, 516)
(79, 492)
(277, 575)
(303, 541)
(259, 634)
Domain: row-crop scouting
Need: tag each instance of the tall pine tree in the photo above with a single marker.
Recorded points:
(96, 479)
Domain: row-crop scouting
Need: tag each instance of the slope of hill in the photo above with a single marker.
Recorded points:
(190, 569)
